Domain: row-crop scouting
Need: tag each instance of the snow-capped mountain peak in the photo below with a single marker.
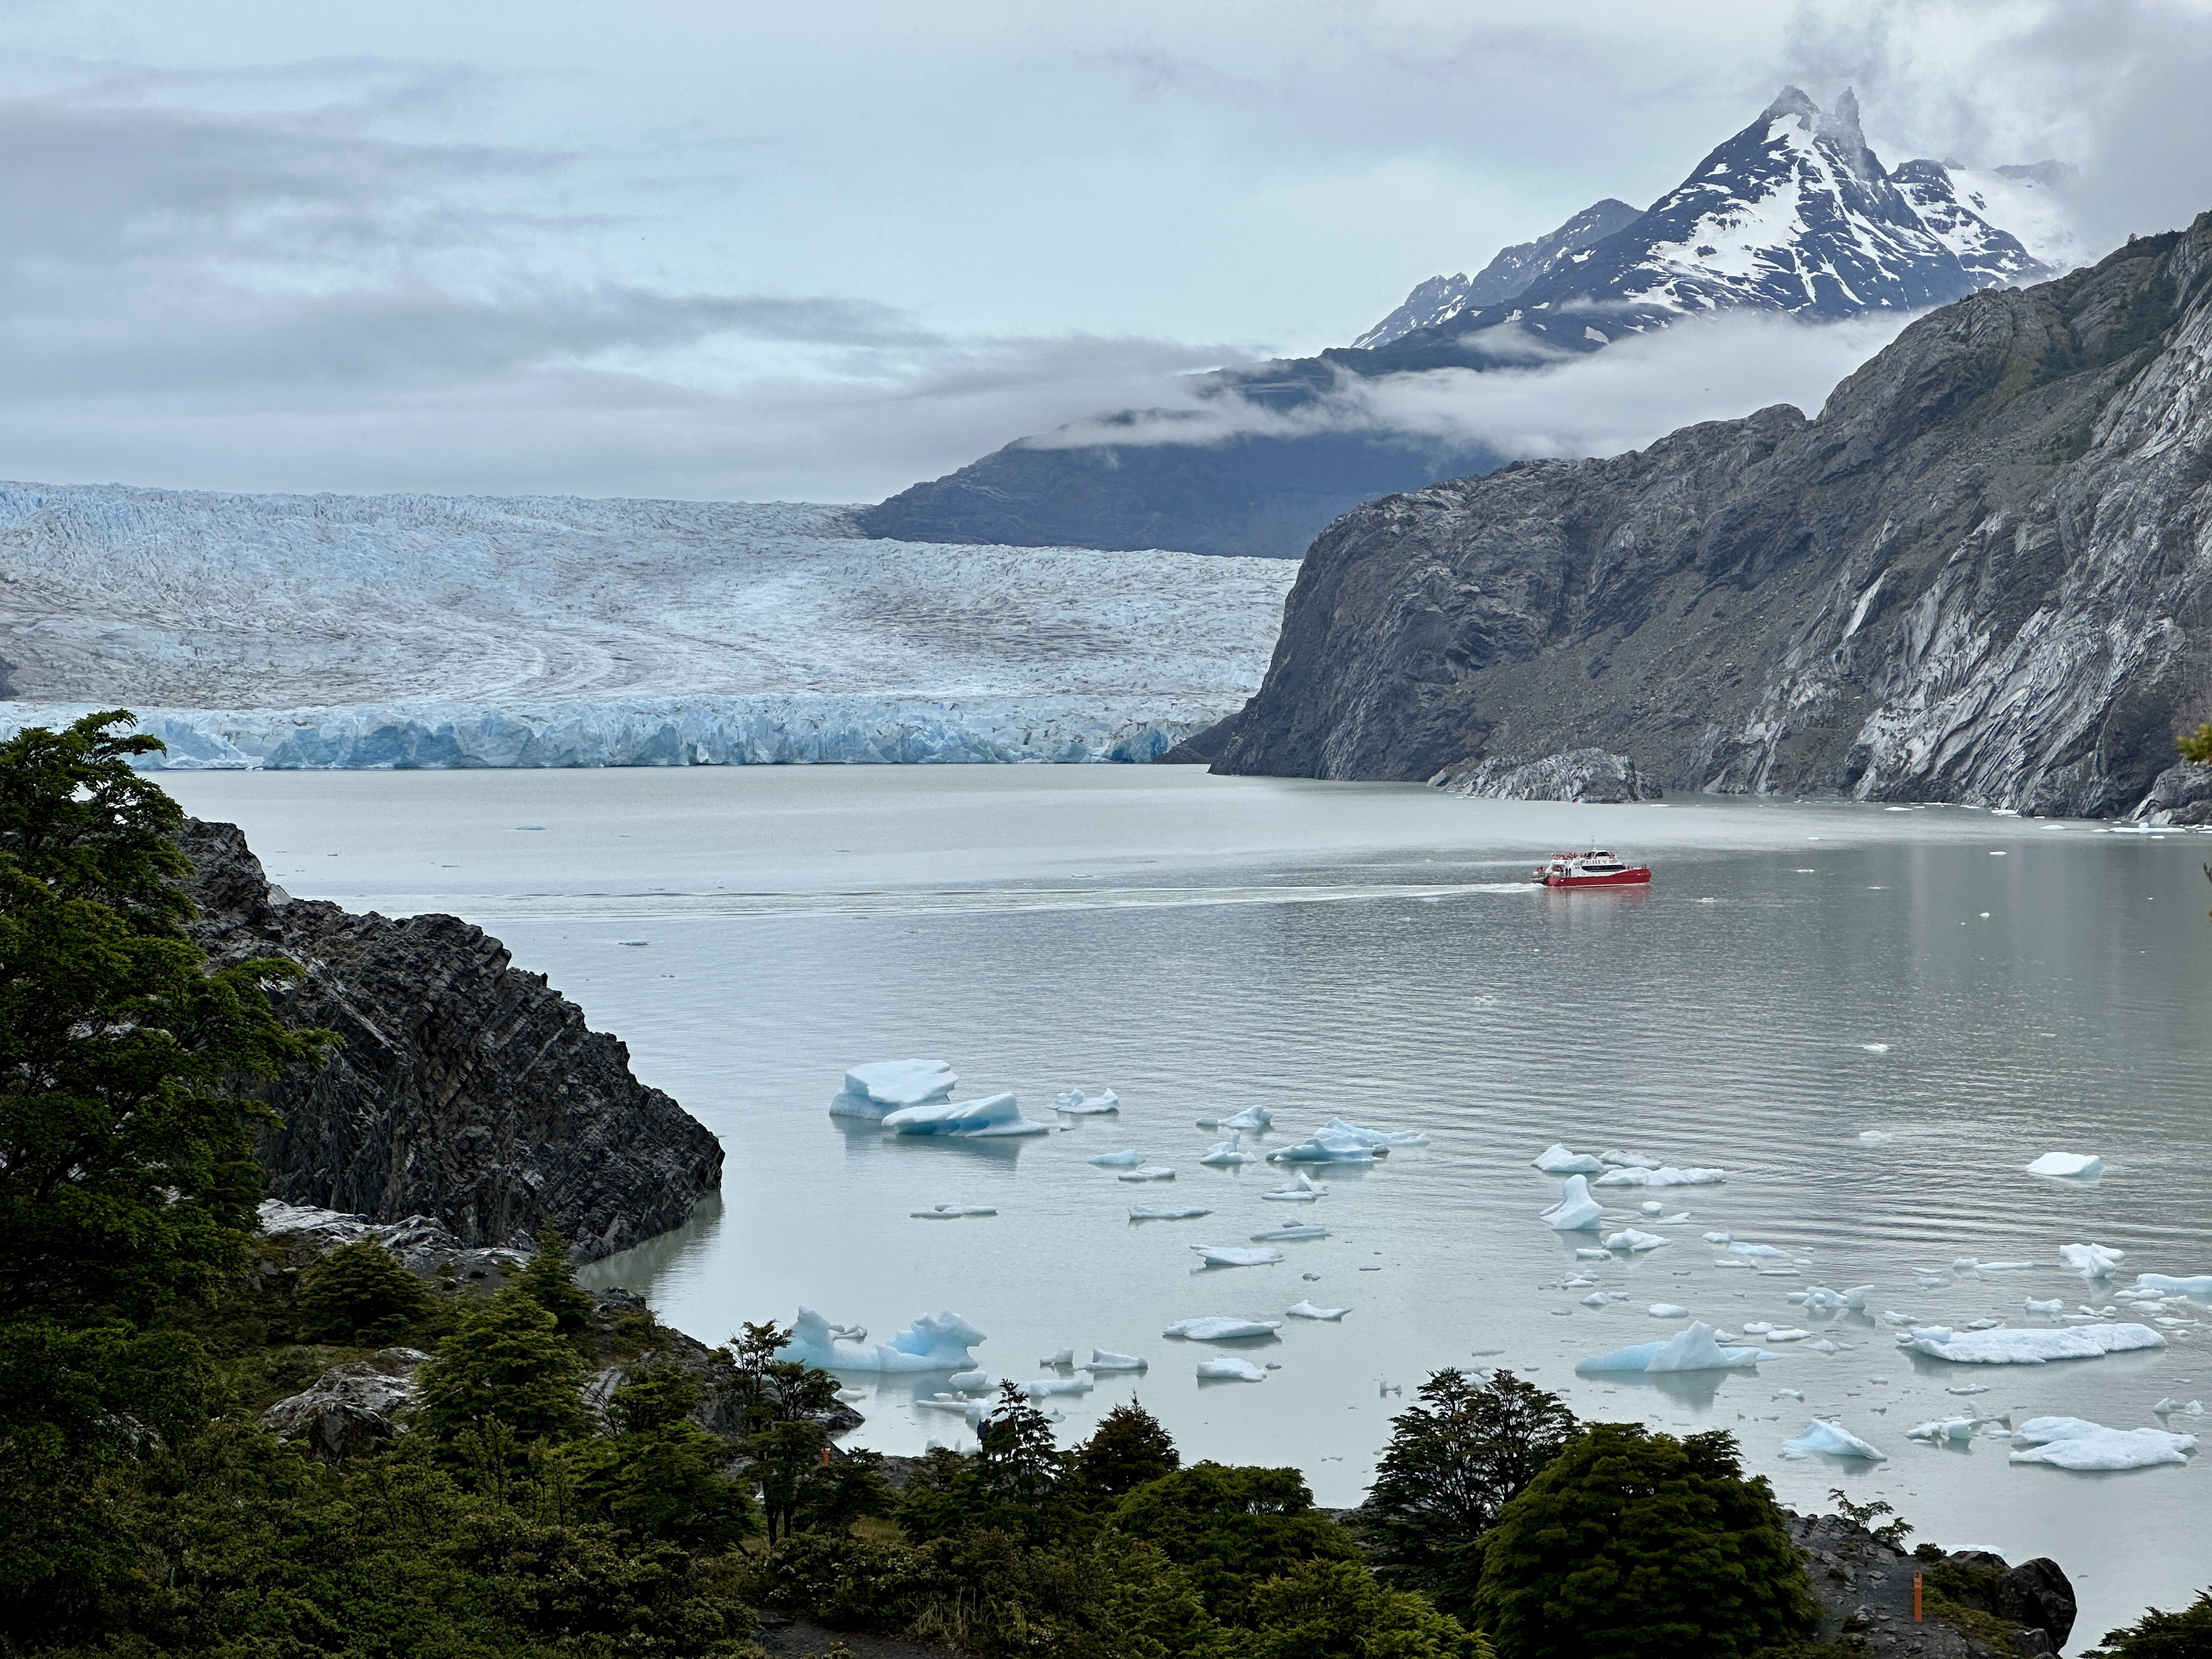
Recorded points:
(1509, 272)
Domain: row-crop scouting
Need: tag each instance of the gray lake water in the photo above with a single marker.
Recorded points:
(1978, 988)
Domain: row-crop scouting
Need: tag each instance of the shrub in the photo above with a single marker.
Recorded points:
(1640, 1545)
(1126, 1448)
(359, 1293)
(2156, 1634)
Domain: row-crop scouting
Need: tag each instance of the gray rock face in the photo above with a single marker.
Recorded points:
(2180, 794)
(350, 1409)
(1583, 774)
(1981, 575)
(468, 1092)
(1864, 1588)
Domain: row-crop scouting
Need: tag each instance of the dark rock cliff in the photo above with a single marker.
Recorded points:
(1981, 575)
(467, 1091)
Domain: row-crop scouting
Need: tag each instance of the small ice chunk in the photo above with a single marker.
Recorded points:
(2068, 1164)
(1597, 1299)
(2029, 1347)
(1221, 1327)
(1587, 1254)
(2091, 1261)
(1228, 1154)
(1667, 1175)
(1790, 1333)
(2169, 1407)
(990, 1116)
(1943, 1429)
(1620, 1160)
(1307, 1311)
(885, 1085)
(1822, 1435)
(1166, 1212)
(1824, 1346)
(1323, 1148)
(1876, 1137)
(1105, 1359)
(1128, 1158)
(1337, 1128)
(951, 1212)
(1630, 1239)
(977, 1381)
(2055, 1304)
(1820, 1298)
(1557, 1160)
(1875, 1048)
(1575, 1282)
(1667, 1311)
(1065, 1356)
(1257, 1119)
(1302, 1230)
(1236, 1255)
(1969, 1387)
(1758, 1252)
(1301, 1188)
(1226, 1369)
(1149, 1172)
(2198, 1285)
(1576, 1211)
(2073, 1442)
(1077, 1103)
(1719, 1238)
(1650, 1206)
(1044, 1387)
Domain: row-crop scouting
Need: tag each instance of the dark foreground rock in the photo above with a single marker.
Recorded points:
(2180, 794)
(468, 1091)
(1978, 576)
(1975, 1605)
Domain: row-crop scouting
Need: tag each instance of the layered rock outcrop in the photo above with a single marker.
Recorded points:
(1983, 575)
(468, 1091)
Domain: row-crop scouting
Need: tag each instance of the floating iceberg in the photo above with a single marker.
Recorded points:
(1820, 1298)
(951, 1212)
(1946, 1429)
(2029, 1347)
(1693, 1348)
(1359, 1135)
(990, 1116)
(1166, 1212)
(2199, 1285)
(1104, 1359)
(1557, 1160)
(1758, 1252)
(1301, 1188)
(1307, 1311)
(1221, 1327)
(2091, 1261)
(2169, 1406)
(2056, 1304)
(1254, 1118)
(1667, 1175)
(1064, 1356)
(977, 1381)
(1576, 1212)
(1597, 1299)
(1044, 1387)
(1718, 1238)
(2068, 1164)
(1327, 1146)
(2072, 1443)
(1123, 1160)
(885, 1085)
(934, 1342)
(1667, 1311)
(1077, 1103)
(1228, 1154)
(972, 1410)
(1236, 1255)
(1628, 1238)
(1224, 1369)
(1822, 1436)
(1149, 1172)
(1619, 1160)
(1302, 1230)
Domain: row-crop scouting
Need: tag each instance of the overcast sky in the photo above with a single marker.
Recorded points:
(727, 248)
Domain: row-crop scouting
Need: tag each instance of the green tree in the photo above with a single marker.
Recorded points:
(2196, 746)
(1457, 1457)
(127, 1175)
(360, 1293)
(1337, 1610)
(1128, 1448)
(2159, 1635)
(660, 1476)
(1016, 1457)
(506, 1366)
(1231, 1527)
(549, 1280)
(1640, 1545)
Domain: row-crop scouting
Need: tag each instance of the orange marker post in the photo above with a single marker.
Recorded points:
(1916, 1598)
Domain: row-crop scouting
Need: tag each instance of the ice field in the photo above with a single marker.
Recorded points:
(1801, 1082)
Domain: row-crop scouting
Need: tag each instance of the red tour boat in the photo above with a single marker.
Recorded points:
(1590, 869)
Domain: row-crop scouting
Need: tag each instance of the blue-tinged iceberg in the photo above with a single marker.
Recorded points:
(934, 1342)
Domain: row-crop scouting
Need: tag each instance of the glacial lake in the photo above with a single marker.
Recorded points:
(1977, 988)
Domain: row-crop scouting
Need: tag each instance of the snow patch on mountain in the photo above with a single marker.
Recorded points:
(424, 630)
(1510, 271)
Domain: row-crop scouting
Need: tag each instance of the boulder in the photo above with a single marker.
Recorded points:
(2180, 794)
(2037, 1594)
(351, 1408)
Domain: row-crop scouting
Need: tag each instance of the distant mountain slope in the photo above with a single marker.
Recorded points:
(1980, 575)
(427, 630)
(1792, 215)
(1510, 271)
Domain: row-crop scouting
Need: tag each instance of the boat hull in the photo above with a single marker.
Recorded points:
(1638, 877)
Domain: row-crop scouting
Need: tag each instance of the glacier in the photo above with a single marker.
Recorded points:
(401, 631)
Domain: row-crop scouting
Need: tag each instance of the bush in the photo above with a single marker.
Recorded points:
(2195, 746)
(359, 1293)
(1640, 1545)
(1126, 1448)
(1336, 1610)
(1230, 1528)
(2156, 1634)
(506, 1364)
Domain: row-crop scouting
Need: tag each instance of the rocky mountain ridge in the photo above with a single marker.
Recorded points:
(1981, 574)
(1794, 214)
(468, 1091)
